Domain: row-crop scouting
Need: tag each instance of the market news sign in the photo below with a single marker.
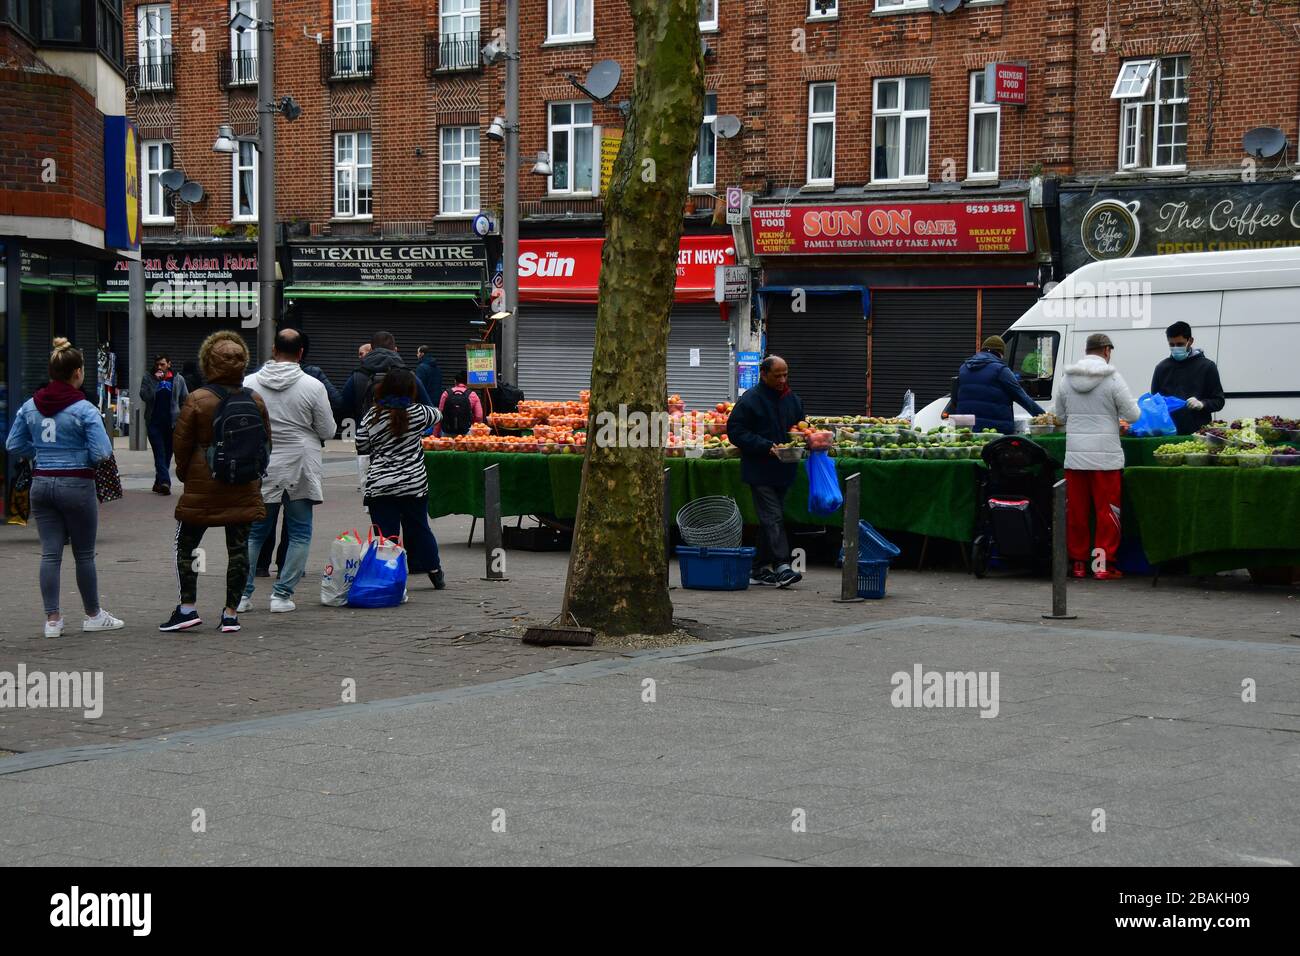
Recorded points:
(457, 264)
(1116, 224)
(568, 270)
(971, 226)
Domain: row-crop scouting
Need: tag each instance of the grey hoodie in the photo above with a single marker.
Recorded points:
(1091, 398)
(299, 408)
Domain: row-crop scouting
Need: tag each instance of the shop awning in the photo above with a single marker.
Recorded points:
(188, 295)
(404, 292)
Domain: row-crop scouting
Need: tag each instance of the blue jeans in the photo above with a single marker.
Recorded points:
(160, 440)
(297, 521)
(67, 508)
(411, 514)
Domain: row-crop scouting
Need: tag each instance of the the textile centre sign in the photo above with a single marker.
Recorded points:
(971, 226)
(457, 264)
(1154, 222)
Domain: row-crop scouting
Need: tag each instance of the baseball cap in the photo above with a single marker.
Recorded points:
(1098, 340)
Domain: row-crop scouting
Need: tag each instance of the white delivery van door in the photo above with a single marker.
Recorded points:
(1259, 341)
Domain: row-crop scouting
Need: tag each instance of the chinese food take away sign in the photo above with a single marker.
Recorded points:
(970, 226)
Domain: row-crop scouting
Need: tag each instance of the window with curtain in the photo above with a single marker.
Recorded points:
(572, 139)
(1153, 113)
(982, 132)
(708, 14)
(704, 162)
(900, 129)
(569, 20)
(156, 159)
(246, 180)
(353, 169)
(821, 133)
(460, 167)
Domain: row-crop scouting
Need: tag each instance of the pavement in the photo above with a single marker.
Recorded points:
(774, 740)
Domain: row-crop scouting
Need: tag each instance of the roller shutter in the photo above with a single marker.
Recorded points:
(702, 328)
(919, 338)
(1003, 306)
(179, 339)
(555, 347)
(826, 349)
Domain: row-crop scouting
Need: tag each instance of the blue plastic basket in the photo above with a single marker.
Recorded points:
(715, 569)
(872, 546)
(871, 579)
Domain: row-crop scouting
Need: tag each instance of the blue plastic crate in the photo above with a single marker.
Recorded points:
(871, 579)
(715, 569)
(872, 546)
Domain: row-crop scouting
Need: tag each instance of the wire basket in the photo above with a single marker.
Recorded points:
(712, 522)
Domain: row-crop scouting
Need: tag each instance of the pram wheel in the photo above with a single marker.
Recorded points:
(979, 556)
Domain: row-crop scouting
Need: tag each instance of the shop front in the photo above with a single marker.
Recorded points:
(559, 282)
(867, 301)
(426, 293)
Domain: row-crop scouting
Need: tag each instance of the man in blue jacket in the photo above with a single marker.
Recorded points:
(760, 421)
(986, 388)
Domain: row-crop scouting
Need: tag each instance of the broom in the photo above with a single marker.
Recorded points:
(560, 630)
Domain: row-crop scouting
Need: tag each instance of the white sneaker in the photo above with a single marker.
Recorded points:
(245, 604)
(103, 621)
(54, 628)
(281, 605)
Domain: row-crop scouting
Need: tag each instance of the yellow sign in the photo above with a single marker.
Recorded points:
(132, 186)
(610, 141)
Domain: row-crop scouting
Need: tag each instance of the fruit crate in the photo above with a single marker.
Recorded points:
(715, 569)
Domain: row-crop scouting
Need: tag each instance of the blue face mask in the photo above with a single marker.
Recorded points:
(1180, 352)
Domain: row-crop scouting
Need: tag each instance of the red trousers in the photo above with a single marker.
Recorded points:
(1084, 492)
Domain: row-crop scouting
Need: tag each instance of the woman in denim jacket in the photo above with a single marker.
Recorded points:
(63, 432)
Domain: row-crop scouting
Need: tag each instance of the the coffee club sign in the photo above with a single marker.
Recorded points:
(428, 263)
(1115, 224)
(189, 266)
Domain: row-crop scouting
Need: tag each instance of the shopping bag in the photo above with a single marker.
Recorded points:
(381, 575)
(341, 570)
(108, 482)
(824, 497)
(20, 491)
(1155, 418)
(908, 410)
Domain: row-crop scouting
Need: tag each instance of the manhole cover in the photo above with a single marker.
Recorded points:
(727, 664)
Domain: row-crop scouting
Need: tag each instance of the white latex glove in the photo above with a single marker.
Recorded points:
(1195, 404)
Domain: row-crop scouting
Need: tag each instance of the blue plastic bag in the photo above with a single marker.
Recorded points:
(381, 576)
(1155, 418)
(824, 497)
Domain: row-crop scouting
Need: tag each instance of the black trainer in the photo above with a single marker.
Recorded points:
(439, 579)
(229, 623)
(787, 577)
(763, 577)
(181, 620)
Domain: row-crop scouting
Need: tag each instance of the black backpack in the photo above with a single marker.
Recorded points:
(457, 413)
(241, 448)
(506, 398)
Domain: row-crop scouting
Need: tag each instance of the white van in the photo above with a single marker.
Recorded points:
(1243, 307)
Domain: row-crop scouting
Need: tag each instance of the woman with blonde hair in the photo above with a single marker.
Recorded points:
(64, 434)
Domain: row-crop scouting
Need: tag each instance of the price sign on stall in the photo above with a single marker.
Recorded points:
(481, 364)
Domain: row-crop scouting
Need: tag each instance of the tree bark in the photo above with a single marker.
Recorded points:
(620, 581)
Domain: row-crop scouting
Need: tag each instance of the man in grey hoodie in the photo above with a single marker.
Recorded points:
(299, 409)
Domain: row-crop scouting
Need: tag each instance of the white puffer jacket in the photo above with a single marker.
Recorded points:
(1091, 398)
(299, 409)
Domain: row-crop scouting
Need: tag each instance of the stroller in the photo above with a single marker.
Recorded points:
(1015, 505)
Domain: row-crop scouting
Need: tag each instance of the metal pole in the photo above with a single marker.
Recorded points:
(265, 181)
(852, 508)
(510, 202)
(493, 552)
(12, 351)
(668, 519)
(137, 360)
(1060, 559)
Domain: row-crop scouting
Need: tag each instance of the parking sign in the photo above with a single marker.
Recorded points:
(735, 205)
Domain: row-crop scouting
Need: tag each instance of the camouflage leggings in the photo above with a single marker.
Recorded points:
(188, 564)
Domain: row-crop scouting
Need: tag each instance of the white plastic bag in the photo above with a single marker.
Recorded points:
(909, 406)
(345, 558)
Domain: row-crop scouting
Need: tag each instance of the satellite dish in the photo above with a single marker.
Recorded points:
(191, 192)
(602, 79)
(944, 6)
(1264, 142)
(726, 126)
(172, 179)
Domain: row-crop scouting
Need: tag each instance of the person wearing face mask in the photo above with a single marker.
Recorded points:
(1189, 375)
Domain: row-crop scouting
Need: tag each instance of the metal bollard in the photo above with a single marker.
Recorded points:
(852, 509)
(1060, 558)
(493, 552)
(668, 523)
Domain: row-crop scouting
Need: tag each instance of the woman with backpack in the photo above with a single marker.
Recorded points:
(222, 482)
(63, 432)
(397, 484)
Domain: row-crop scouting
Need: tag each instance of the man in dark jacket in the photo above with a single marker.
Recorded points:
(760, 421)
(355, 400)
(986, 388)
(1188, 374)
(427, 371)
(163, 393)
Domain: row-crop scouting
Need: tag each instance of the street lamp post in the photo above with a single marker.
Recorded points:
(266, 110)
(507, 131)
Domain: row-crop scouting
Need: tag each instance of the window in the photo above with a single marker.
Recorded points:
(1153, 113)
(352, 172)
(892, 5)
(821, 133)
(154, 32)
(708, 14)
(243, 45)
(704, 162)
(568, 20)
(982, 132)
(901, 129)
(156, 159)
(19, 13)
(1031, 355)
(823, 9)
(459, 160)
(245, 188)
(458, 45)
(351, 37)
(573, 148)
(79, 24)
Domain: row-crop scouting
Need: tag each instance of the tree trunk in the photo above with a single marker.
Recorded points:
(620, 579)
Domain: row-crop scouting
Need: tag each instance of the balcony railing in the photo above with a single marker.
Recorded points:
(451, 53)
(151, 74)
(237, 67)
(347, 61)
